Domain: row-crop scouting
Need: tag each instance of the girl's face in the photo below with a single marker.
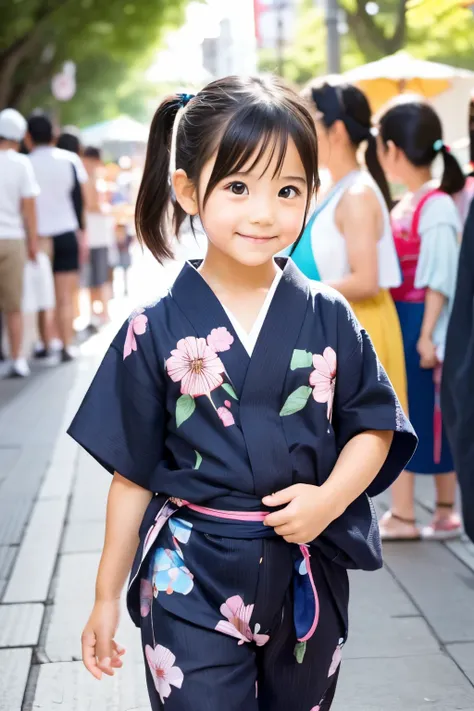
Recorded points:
(252, 215)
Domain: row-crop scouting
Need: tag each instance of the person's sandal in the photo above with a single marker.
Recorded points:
(407, 531)
(443, 527)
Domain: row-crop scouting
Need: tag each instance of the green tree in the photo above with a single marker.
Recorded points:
(438, 30)
(106, 39)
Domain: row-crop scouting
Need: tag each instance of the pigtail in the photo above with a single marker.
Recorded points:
(154, 197)
(453, 179)
(375, 169)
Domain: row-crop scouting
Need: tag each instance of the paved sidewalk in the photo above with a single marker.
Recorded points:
(411, 643)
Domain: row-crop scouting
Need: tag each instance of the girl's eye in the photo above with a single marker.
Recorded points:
(289, 192)
(237, 188)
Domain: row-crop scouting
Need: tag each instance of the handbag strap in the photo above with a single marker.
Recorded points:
(418, 210)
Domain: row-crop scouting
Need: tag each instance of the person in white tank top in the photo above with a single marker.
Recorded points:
(351, 238)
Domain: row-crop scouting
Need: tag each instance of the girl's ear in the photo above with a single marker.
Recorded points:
(393, 153)
(185, 191)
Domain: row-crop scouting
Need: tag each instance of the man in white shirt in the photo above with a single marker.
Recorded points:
(56, 171)
(18, 236)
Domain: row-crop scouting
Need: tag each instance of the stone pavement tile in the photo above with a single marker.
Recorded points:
(405, 683)
(462, 549)
(398, 631)
(84, 537)
(74, 598)
(24, 477)
(15, 666)
(14, 513)
(90, 477)
(7, 555)
(35, 563)
(69, 687)
(463, 654)
(8, 457)
(20, 625)
(441, 586)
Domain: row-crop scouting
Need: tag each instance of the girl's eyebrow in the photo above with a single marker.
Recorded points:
(293, 178)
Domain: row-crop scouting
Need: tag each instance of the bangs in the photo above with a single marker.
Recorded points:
(259, 128)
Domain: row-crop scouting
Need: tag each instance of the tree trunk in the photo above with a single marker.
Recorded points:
(369, 35)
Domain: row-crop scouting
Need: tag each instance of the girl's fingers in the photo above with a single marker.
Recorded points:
(118, 648)
(88, 654)
(105, 665)
(104, 651)
(286, 530)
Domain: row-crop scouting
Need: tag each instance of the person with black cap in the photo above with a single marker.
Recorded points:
(18, 236)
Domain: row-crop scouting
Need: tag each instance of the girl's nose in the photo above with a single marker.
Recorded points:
(263, 212)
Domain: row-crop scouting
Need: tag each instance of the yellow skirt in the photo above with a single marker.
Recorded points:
(380, 319)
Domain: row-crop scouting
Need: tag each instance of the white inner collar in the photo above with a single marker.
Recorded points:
(249, 340)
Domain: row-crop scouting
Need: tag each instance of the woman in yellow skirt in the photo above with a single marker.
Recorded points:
(348, 240)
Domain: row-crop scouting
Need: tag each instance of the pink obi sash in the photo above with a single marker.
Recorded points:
(306, 600)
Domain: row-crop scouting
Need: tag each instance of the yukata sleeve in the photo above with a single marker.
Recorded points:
(365, 399)
(121, 420)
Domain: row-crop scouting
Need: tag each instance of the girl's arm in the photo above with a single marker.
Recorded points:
(434, 304)
(360, 221)
(310, 509)
(126, 506)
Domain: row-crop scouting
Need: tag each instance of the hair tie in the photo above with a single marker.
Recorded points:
(438, 145)
(184, 99)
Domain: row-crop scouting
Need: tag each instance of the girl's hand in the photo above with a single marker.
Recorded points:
(100, 652)
(308, 513)
(427, 352)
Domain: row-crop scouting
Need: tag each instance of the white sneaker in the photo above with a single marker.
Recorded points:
(20, 368)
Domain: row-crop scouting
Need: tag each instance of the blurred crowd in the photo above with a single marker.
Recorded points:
(66, 225)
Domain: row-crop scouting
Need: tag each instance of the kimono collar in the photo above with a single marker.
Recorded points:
(284, 319)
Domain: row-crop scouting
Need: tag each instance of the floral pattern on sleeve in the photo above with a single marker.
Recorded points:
(322, 381)
(136, 327)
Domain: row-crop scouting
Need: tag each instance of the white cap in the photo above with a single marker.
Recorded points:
(12, 125)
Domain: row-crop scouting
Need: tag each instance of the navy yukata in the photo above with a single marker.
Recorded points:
(232, 616)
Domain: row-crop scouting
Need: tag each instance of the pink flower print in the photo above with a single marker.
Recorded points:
(165, 675)
(228, 403)
(220, 339)
(323, 378)
(196, 365)
(237, 623)
(226, 416)
(336, 658)
(146, 597)
(136, 327)
(315, 708)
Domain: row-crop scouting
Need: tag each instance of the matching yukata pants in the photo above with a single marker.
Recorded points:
(192, 666)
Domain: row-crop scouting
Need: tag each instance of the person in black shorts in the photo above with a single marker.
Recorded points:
(57, 171)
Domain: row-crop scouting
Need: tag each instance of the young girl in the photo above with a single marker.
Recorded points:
(427, 229)
(348, 238)
(256, 407)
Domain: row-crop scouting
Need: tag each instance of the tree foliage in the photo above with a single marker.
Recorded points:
(437, 30)
(107, 39)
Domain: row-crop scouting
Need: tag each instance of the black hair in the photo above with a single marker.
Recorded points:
(92, 152)
(70, 140)
(239, 118)
(349, 104)
(40, 129)
(415, 128)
